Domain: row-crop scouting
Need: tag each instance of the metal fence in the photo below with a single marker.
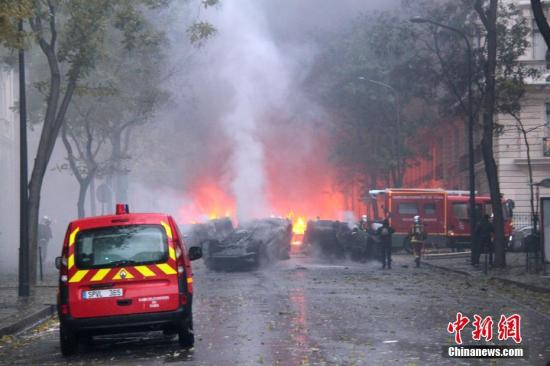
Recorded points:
(521, 220)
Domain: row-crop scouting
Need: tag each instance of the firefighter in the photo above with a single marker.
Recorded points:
(417, 236)
(363, 223)
(384, 234)
(483, 233)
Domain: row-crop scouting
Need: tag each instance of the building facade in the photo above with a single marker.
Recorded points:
(446, 164)
(534, 118)
(9, 166)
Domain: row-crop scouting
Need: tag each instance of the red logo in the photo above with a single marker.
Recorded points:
(457, 326)
(508, 327)
(483, 328)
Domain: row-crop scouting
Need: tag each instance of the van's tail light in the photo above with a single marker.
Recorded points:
(63, 286)
(179, 261)
(63, 270)
(182, 276)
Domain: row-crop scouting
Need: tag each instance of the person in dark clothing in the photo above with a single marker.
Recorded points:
(44, 236)
(384, 234)
(484, 233)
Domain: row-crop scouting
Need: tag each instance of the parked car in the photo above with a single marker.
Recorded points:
(516, 241)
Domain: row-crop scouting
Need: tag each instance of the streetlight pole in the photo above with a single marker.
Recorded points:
(472, 201)
(397, 111)
(24, 263)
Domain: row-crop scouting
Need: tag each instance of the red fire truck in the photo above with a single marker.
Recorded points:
(445, 214)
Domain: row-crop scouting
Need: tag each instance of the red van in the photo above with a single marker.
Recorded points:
(445, 214)
(122, 273)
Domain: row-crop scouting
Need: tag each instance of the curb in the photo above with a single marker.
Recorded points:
(498, 279)
(464, 273)
(44, 313)
(522, 285)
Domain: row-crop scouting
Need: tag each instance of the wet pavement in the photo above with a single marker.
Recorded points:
(306, 312)
(515, 270)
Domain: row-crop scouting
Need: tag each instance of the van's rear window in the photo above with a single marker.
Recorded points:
(119, 246)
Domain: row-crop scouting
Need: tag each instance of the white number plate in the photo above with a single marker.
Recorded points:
(98, 294)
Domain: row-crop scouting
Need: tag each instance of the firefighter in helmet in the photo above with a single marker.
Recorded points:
(363, 222)
(417, 236)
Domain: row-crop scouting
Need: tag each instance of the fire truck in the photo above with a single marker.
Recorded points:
(445, 214)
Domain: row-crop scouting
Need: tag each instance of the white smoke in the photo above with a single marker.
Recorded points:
(253, 69)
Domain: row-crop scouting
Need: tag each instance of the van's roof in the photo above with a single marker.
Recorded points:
(467, 198)
(117, 220)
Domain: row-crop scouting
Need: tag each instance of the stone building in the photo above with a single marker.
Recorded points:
(446, 165)
(9, 169)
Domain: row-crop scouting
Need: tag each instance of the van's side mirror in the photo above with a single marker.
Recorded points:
(57, 262)
(195, 253)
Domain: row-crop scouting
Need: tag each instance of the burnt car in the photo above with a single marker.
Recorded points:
(252, 244)
(198, 234)
(321, 237)
(239, 249)
(338, 240)
(275, 234)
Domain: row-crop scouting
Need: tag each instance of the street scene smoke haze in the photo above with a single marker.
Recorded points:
(274, 182)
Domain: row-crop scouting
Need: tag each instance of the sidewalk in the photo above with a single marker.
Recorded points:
(17, 314)
(514, 274)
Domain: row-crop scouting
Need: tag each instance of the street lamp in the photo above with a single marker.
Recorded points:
(24, 263)
(471, 164)
(396, 105)
(395, 99)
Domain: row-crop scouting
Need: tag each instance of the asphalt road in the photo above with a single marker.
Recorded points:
(306, 312)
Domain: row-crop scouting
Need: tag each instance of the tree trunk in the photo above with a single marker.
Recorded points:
(48, 137)
(540, 19)
(534, 214)
(83, 189)
(35, 186)
(489, 19)
(93, 210)
(118, 171)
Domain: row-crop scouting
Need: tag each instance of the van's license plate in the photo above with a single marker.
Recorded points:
(99, 294)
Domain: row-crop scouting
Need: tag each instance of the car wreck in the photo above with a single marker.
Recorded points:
(338, 240)
(253, 244)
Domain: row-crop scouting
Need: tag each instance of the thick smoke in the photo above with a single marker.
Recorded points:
(253, 68)
(265, 151)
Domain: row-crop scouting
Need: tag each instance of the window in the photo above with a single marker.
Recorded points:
(537, 43)
(429, 209)
(121, 245)
(546, 147)
(460, 210)
(407, 208)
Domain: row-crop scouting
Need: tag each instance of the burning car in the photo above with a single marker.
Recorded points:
(252, 244)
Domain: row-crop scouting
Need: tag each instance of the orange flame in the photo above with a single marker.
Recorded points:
(207, 202)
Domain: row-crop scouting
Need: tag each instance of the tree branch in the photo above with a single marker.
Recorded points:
(70, 155)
